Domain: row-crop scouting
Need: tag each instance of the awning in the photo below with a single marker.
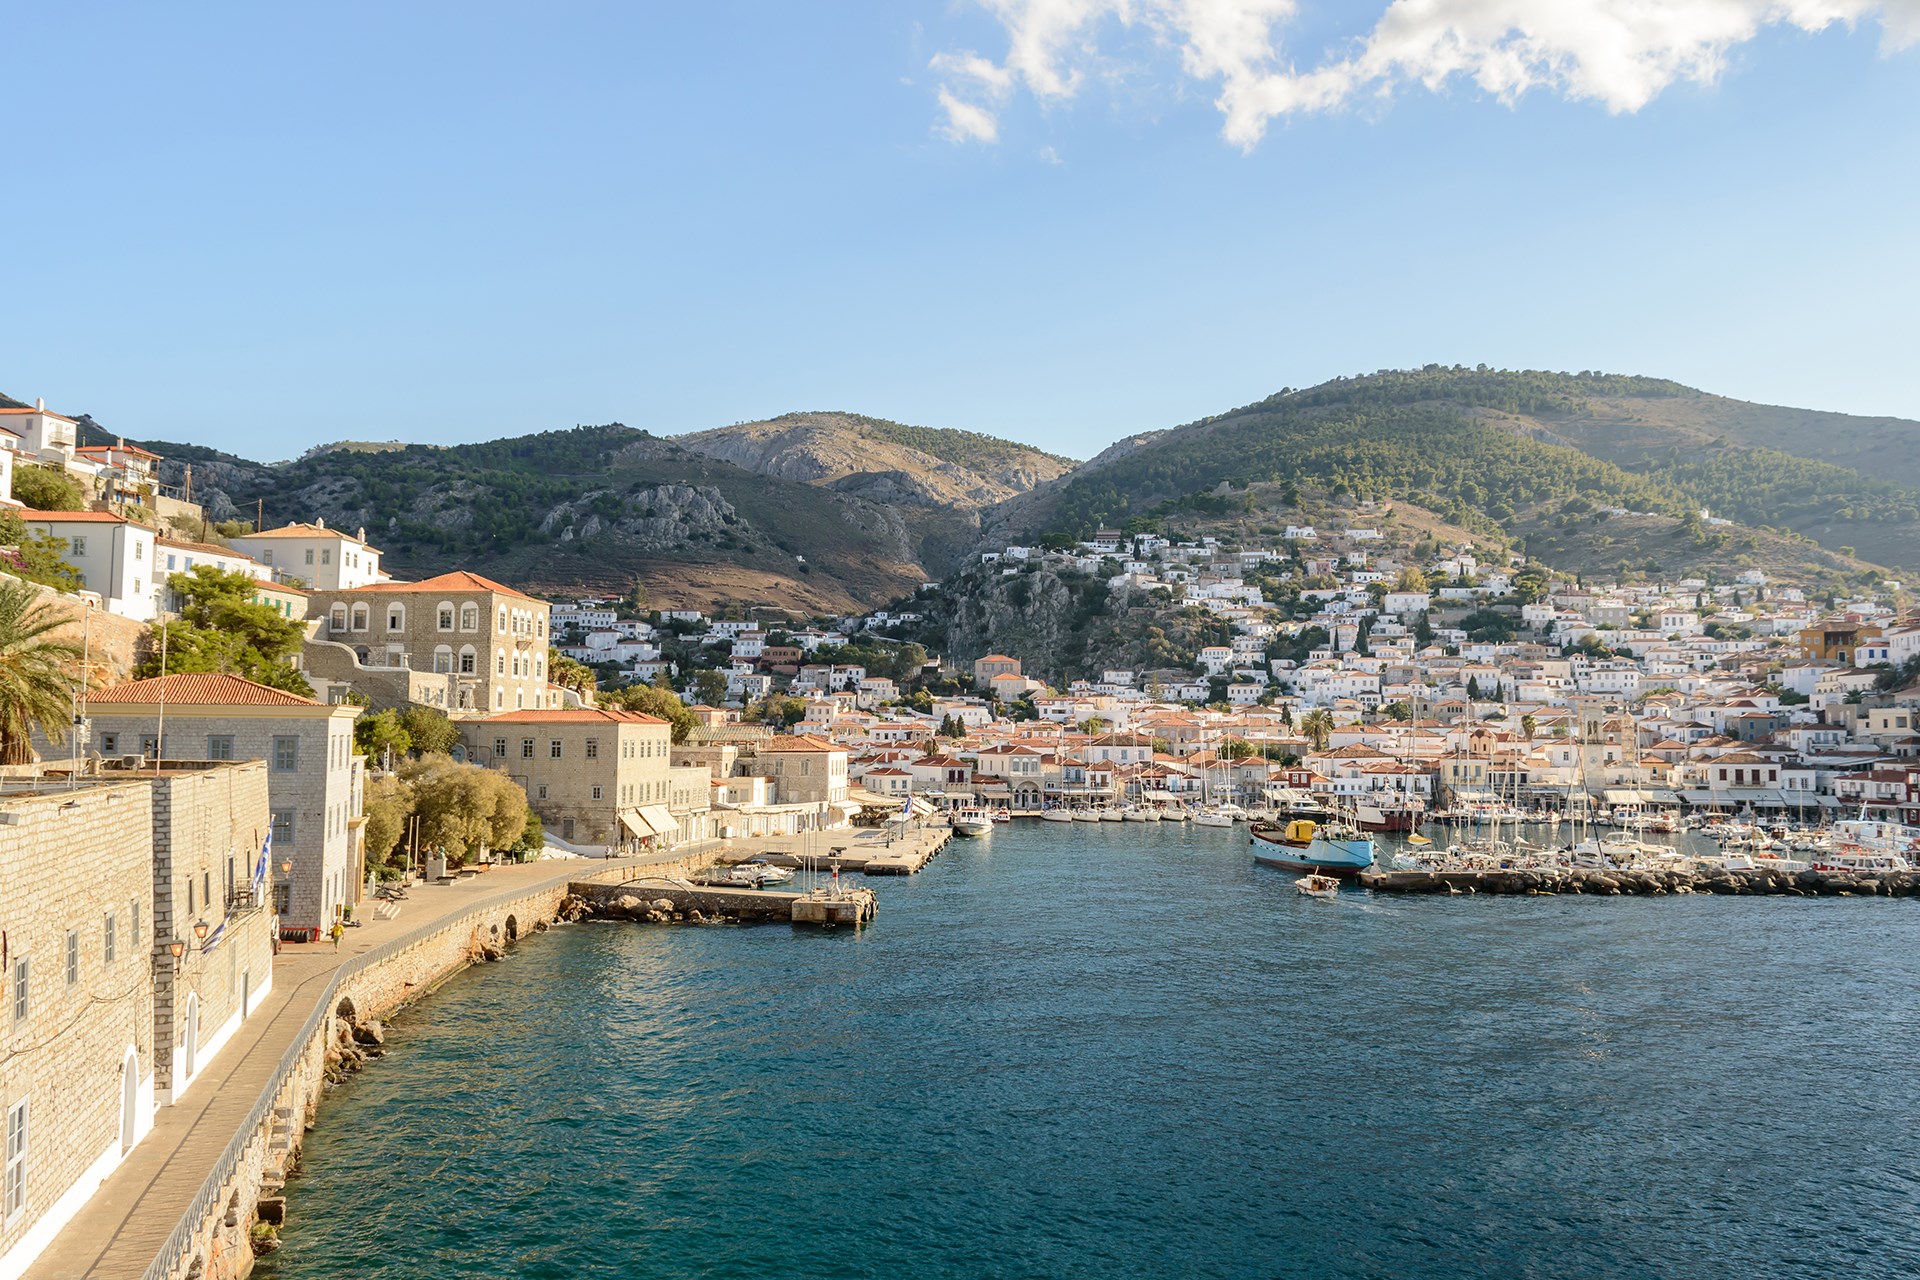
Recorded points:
(922, 807)
(900, 819)
(848, 807)
(637, 826)
(1626, 796)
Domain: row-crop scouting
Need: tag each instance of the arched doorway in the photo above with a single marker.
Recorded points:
(189, 1058)
(129, 1100)
(513, 929)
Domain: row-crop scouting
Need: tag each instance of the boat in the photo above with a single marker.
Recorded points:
(1085, 815)
(972, 822)
(1212, 818)
(1003, 815)
(1174, 814)
(1390, 815)
(1057, 815)
(1334, 848)
(1318, 886)
(1110, 815)
(1135, 815)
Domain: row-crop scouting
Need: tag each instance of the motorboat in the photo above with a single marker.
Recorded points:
(1334, 848)
(972, 822)
(1318, 886)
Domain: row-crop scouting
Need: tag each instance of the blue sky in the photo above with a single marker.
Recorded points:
(262, 227)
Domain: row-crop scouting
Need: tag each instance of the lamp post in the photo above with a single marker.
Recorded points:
(177, 948)
(199, 930)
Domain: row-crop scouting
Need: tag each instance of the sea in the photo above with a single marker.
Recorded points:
(1126, 1050)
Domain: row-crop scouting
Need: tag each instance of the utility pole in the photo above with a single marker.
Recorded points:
(259, 515)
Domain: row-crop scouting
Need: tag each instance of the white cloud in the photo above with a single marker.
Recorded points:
(1620, 54)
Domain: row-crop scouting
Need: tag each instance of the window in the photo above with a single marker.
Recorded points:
(362, 617)
(553, 749)
(22, 987)
(139, 550)
(266, 557)
(309, 555)
(135, 905)
(189, 899)
(468, 660)
(526, 748)
(282, 826)
(73, 956)
(593, 748)
(542, 792)
(337, 618)
(500, 664)
(108, 942)
(442, 658)
(499, 748)
(109, 744)
(469, 617)
(503, 618)
(16, 1188)
(596, 793)
(286, 753)
(282, 898)
(396, 617)
(326, 555)
(220, 746)
(78, 546)
(446, 617)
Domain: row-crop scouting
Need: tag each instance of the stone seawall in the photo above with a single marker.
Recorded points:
(214, 1240)
(1759, 881)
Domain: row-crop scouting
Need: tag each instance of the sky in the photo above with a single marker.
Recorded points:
(262, 227)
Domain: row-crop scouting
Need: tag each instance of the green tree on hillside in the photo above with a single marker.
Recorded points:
(1317, 725)
(221, 628)
(46, 489)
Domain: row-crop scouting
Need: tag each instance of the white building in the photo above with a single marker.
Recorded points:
(114, 556)
(321, 558)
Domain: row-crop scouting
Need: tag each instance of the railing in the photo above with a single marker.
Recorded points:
(210, 1190)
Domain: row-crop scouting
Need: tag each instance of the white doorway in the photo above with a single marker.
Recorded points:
(129, 1101)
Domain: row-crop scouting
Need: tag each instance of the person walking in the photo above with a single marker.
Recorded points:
(337, 932)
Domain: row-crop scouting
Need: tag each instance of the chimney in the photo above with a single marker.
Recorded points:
(40, 404)
(360, 535)
(321, 523)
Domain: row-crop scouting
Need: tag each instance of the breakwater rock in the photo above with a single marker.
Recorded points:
(1648, 883)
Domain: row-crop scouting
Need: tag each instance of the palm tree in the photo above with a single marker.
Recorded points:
(1528, 725)
(37, 672)
(1318, 726)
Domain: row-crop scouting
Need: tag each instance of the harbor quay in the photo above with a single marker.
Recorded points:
(868, 851)
(186, 1200)
(1762, 881)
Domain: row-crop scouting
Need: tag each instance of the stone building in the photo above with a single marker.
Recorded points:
(210, 825)
(805, 770)
(76, 1063)
(994, 664)
(596, 777)
(459, 642)
(315, 781)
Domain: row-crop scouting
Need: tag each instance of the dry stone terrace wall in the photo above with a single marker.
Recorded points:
(212, 1242)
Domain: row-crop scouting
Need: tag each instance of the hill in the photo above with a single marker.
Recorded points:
(595, 508)
(1499, 452)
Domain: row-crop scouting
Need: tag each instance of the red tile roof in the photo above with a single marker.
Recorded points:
(50, 413)
(70, 517)
(200, 689)
(799, 742)
(459, 580)
(305, 531)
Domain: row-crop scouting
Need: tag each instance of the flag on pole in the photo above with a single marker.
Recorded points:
(213, 939)
(260, 867)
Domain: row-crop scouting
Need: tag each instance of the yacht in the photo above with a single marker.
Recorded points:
(972, 822)
(1057, 815)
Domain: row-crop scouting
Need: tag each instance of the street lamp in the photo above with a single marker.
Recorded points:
(200, 931)
(176, 949)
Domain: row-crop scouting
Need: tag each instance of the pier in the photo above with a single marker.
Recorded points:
(674, 900)
(868, 851)
(1762, 881)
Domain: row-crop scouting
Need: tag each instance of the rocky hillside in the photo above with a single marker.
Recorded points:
(599, 508)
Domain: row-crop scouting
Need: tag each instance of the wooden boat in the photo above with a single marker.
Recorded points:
(1318, 886)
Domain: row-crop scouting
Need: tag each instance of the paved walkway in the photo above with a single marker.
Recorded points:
(127, 1222)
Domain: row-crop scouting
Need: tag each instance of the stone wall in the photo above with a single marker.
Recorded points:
(74, 863)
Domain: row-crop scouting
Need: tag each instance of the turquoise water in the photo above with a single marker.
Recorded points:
(1126, 1051)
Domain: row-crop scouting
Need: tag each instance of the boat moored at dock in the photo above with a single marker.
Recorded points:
(1303, 845)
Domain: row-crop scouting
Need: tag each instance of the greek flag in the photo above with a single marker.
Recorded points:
(260, 867)
(213, 939)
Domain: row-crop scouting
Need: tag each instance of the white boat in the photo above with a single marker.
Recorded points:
(1318, 886)
(1136, 815)
(1212, 818)
(1085, 815)
(1057, 815)
(1110, 815)
(1175, 814)
(972, 822)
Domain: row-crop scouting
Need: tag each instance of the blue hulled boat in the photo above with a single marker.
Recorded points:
(1335, 849)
